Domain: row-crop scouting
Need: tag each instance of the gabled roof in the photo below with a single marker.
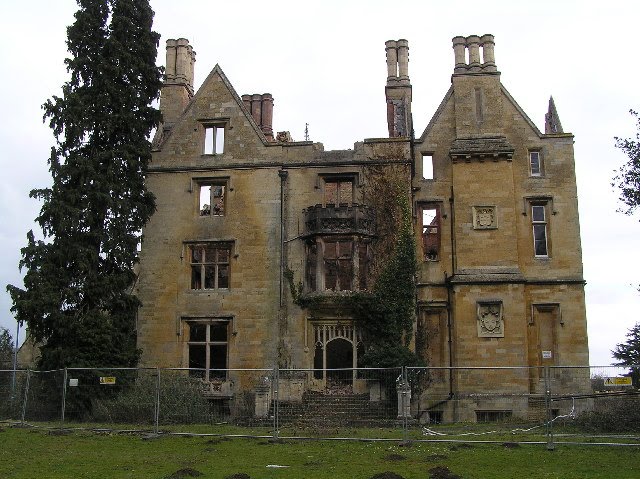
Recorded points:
(216, 72)
(507, 95)
(436, 115)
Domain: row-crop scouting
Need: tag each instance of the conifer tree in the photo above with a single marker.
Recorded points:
(628, 177)
(77, 299)
(628, 353)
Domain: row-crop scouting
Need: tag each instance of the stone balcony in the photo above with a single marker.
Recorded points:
(339, 219)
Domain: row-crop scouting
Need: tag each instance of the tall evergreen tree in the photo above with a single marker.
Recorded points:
(77, 298)
(628, 177)
(628, 353)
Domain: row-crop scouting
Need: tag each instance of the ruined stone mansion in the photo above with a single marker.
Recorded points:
(242, 211)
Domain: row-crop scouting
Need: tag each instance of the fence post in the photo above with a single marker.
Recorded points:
(26, 396)
(156, 409)
(405, 393)
(64, 396)
(276, 413)
(547, 402)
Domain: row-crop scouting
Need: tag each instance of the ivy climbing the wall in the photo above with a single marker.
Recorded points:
(388, 315)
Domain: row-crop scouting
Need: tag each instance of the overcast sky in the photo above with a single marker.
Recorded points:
(324, 63)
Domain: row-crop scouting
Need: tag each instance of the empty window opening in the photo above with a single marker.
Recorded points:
(539, 223)
(210, 266)
(208, 349)
(214, 140)
(493, 416)
(212, 200)
(431, 232)
(535, 164)
(363, 265)
(338, 192)
(427, 167)
(312, 264)
(338, 265)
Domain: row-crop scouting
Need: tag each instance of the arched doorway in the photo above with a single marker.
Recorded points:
(339, 357)
(335, 349)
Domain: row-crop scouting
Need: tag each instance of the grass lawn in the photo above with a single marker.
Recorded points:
(41, 453)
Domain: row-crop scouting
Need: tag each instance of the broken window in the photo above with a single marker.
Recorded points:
(539, 223)
(213, 139)
(208, 340)
(363, 266)
(210, 266)
(535, 163)
(427, 167)
(312, 264)
(431, 232)
(212, 199)
(338, 191)
(338, 265)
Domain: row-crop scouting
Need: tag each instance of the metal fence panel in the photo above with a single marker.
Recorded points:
(516, 404)
(12, 391)
(110, 396)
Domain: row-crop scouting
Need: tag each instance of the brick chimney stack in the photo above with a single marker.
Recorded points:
(261, 109)
(398, 88)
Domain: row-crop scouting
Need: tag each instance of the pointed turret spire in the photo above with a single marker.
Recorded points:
(551, 119)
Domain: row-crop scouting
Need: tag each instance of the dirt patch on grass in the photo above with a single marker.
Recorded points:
(462, 445)
(394, 457)
(510, 445)
(442, 473)
(436, 457)
(387, 475)
(59, 432)
(186, 472)
(217, 440)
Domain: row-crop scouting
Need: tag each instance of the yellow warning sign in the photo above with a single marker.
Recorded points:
(107, 380)
(618, 381)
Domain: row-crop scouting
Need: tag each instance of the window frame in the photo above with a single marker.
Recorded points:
(339, 179)
(358, 263)
(540, 169)
(203, 183)
(343, 262)
(207, 343)
(542, 225)
(205, 263)
(438, 226)
(217, 145)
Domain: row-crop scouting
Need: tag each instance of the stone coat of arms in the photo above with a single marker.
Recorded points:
(490, 321)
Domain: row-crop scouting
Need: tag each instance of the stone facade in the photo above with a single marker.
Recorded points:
(240, 211)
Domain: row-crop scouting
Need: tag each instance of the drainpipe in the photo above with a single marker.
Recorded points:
(283, 177)
(450, 288)
(449, 334)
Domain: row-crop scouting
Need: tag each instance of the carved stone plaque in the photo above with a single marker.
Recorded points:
(490, 321)
(484, 217)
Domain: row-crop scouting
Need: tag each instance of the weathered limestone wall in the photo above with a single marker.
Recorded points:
(480, 141)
